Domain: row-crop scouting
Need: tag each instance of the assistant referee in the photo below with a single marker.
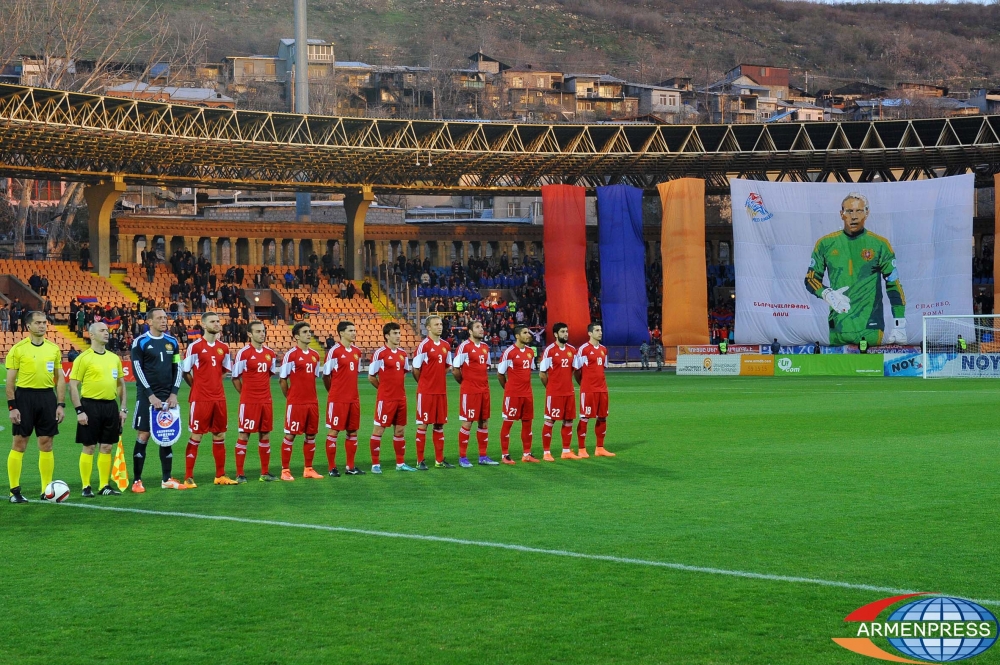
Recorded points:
(34, 368)
(97, 388)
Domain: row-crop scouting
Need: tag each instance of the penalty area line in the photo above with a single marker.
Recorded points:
(520, 548)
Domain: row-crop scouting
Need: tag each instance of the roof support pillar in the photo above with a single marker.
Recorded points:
(101, 199)
(356, 206)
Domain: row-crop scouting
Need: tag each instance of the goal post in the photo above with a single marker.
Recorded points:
(944, 354)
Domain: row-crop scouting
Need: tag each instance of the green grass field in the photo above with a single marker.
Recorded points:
(884, 482)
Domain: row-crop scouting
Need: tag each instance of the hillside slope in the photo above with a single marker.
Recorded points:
(642, 40)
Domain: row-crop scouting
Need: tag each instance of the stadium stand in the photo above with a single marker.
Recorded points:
(66, 282)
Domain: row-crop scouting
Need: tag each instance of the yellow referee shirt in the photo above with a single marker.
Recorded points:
(97, 373)
(35, 364)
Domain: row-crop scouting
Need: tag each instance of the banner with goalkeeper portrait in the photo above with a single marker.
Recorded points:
(838, 263)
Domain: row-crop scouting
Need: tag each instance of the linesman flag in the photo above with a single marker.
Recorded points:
(119, 471)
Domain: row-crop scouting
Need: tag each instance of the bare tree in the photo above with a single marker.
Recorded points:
(80, 45)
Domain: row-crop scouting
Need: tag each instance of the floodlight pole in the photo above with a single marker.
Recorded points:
(303, 200)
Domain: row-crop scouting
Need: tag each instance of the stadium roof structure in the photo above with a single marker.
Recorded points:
(59, 135)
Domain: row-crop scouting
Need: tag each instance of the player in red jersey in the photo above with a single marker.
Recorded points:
(430, 363)
(387, 372)
(518, 403)
(556, 373)
(343, 405)
(255, 365)
(204, 364)
(591, 359)
(299, 369)
(470, 368)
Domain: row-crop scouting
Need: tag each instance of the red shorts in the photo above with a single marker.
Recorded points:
(301, 419)
(518, 408)
(560, 407)
(389, 413)
(593, 405)
(343, 416)
(432, 409)
(208, 417)
(474, 407)
(256, 417)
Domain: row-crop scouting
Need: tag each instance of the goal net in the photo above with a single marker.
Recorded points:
(961, 346)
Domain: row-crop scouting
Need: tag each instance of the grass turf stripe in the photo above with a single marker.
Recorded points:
(522, 548)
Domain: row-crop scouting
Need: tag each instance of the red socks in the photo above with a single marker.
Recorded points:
(483, 438)
(438, 435)
(219, 453)
(547, 436)
(526, 435)
(463, 442)
(286, 452)
(399, 445)
(505, 437)
(241, 456)
(567, 435)
(309, 451)
(375, 443)
(331, 451)
(351, 443)
(581, 435)
(190, 455)
(600, 429)
(264, 448)
(421, 444)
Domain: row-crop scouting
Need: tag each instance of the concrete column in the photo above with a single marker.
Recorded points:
(255, 247)
(126, 248)
(215, 256)
(295, 252)
(356, 206)
(101, 200)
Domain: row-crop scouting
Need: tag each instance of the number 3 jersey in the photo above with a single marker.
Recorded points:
(255, 368)
(207, 362)
(342, 367)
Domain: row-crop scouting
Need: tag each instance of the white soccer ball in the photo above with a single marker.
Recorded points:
(57, 491)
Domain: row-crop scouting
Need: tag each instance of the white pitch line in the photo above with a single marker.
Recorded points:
(521, 548)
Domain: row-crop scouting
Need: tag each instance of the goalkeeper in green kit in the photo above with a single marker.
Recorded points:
(856, 261)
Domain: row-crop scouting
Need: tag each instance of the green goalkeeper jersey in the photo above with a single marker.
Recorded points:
(860, 263)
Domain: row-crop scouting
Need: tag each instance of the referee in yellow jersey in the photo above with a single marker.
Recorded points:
(34, 368)
(97, 388)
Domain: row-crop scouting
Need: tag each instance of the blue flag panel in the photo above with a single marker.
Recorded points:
(623, 266)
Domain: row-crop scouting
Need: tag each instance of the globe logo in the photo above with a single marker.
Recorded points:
(935, 629)
(943, 649)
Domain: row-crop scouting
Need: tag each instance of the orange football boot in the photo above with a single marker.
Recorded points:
(569, 454)
(547, 457)
(310, 472)
(287, 475)
(225, 480)
(601, 452)
(582, 453)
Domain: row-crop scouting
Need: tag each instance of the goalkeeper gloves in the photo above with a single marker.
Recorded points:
(898, 334)
(838, 302)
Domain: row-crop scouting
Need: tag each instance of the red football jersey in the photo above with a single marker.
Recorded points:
(433, 361)
(517, 365)
(256, 369)
(208, 363)
(301, 369)
(592, 360)
(474, 361)
(558, 363)
(341, 366)
(390, 367)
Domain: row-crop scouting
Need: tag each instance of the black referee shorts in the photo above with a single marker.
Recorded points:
(38, 412)
(103, 423)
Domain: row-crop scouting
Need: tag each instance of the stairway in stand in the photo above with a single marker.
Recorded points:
(117, 279)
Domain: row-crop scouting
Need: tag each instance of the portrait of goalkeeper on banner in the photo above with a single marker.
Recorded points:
(856, 261)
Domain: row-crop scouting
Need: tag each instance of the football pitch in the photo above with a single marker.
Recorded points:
(689, 547)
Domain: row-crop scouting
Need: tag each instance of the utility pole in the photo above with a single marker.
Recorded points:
(303, 200)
